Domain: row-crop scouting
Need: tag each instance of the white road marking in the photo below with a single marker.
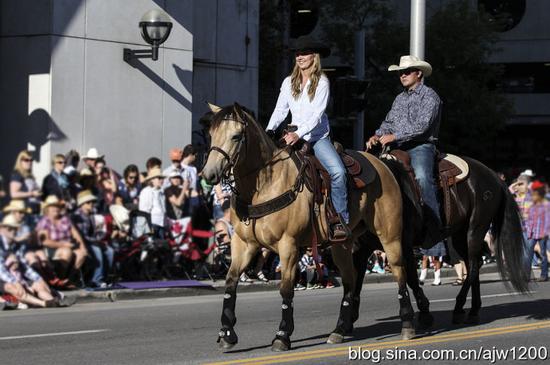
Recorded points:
(482, 297)
(52, 334)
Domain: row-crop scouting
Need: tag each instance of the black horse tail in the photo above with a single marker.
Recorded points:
(510, 243)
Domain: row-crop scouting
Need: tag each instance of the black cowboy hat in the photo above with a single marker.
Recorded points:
(307, 43)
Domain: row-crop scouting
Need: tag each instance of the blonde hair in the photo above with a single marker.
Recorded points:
(314, 77)
(19, 166)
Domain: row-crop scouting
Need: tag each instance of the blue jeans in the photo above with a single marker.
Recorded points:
(104, 257)
(331, 161)
(422, 161)
(531, 250)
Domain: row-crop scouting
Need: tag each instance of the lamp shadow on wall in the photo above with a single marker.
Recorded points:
(160, 82)
(43, 129)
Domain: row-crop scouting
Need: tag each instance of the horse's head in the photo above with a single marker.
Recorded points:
(227, 135)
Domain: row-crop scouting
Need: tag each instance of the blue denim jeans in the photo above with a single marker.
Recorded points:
(104, 257)
(531, 250)
(331, 161)
(422, 161)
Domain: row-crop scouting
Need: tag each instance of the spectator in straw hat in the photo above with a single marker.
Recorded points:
(63, 242)
(26, 244)
(19, 279)
(103, 254)
(152, 201)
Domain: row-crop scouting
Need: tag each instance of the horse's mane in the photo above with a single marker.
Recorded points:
(240, 113)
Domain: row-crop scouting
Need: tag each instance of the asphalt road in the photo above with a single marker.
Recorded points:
(184, 330)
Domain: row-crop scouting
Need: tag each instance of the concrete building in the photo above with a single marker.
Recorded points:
(64, 84)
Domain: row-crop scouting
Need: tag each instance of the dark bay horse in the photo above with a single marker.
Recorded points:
(264, 173)
(480, 203)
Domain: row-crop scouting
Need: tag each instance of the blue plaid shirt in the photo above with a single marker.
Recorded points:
(414, 116)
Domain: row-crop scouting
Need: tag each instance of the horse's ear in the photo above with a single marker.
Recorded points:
(214, 108)
(238, 111)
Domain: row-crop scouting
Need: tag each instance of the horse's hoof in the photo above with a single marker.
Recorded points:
(472, 319)
(407, 333)
(458, 318)
(227, 338)
(279, 345)
(335, 338)
(425, 320)
(224, 345)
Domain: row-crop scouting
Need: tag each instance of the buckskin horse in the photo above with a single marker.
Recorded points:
(264, 173)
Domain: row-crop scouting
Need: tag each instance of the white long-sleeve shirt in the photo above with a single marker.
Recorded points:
(308, 116)
(152, 201)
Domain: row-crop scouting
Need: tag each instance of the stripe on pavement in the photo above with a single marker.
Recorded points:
(52, 334)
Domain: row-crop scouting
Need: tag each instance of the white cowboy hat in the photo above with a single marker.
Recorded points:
(154, 172)
(92, 154)
(121, 216)
(9, 221)
(85, 196)
(412, 62)
(528, 172)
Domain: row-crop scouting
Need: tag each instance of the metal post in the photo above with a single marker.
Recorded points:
(418, 26)
(359, 127)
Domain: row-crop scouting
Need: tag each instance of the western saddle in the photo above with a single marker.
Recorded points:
(317, 180)
(451, 170)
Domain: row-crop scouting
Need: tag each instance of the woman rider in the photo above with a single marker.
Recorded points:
(306, 93)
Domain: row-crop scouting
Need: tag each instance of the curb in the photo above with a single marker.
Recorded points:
(217, 287)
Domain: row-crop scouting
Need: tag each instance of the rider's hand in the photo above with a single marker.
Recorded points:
(387, 138)
(291, 138)
(373, 141)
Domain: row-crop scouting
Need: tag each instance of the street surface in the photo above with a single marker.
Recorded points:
(184, 330)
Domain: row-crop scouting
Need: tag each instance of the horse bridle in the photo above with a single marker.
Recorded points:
(231, 161)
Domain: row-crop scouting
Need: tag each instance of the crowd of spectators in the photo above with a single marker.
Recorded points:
(80, 227)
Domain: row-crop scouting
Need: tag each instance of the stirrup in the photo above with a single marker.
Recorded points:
(339, 231)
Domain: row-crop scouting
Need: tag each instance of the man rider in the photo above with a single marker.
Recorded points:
(412, 125)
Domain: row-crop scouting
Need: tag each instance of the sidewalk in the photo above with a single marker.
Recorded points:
(217, 287)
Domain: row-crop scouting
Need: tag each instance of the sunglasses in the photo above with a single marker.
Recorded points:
(26, 159)
(407, 72)
(60, 162)
(11, 229)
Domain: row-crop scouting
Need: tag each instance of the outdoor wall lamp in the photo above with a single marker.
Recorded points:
(155, 28)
